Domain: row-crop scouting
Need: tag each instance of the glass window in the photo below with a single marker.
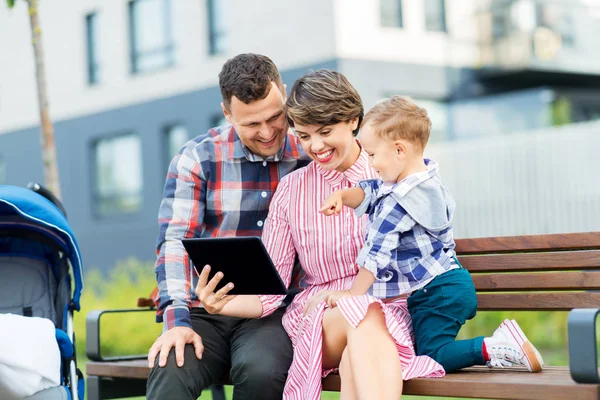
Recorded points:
(2, 171)
(91, 31)
(217, 27)
(391, 13)
(175, 136)
(435, 15)
(150, 35)
(118, 174)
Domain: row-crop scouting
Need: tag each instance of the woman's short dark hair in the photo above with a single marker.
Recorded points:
(324, 97)
(248, 77)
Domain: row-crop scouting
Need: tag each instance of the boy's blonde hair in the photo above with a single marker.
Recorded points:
(399, 117)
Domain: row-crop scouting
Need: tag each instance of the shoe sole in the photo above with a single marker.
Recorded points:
(534, 358)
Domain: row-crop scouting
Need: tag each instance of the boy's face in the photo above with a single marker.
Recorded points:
(385, 155)
(261, 125)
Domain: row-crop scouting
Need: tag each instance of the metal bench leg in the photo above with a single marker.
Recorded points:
(92, 384)
(218, 392)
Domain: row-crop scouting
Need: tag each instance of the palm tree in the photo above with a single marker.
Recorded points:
(51, 180)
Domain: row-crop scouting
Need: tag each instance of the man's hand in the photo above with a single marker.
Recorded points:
(332, 204)
(176, 337)
(213, 302)
(328, 296)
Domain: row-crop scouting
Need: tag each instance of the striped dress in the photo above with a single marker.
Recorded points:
(327, 248)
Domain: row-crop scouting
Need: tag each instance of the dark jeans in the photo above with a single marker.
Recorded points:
(438, 311)
(256, 353)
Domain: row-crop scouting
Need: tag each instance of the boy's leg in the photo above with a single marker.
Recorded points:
(438, 312)
(188, 381)
(261, 354)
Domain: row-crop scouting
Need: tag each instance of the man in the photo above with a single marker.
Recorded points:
(221, 184)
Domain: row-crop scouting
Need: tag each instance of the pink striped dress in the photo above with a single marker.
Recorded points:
(327, 248)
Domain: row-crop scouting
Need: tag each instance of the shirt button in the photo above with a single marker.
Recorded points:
(264, 194)
(264, 163)
(259, 223)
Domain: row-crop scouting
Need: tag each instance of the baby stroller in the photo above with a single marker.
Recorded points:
(39, 257)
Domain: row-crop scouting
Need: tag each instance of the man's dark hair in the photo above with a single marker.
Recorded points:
(248, 77)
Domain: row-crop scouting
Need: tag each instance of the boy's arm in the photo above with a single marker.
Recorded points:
(352, 197)
(364, 280)
(347, 197)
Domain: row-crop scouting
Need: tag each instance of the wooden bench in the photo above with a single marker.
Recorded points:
(558, 272)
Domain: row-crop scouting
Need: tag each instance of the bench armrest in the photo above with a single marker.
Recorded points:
(92, 341)
(583, 362)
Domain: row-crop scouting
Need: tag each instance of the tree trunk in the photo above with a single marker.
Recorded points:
(51, 180)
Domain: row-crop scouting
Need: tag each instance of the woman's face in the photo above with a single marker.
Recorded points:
(332, 146)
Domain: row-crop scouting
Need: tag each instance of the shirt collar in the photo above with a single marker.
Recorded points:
(290, 150)
(354, 174)
(405, 185)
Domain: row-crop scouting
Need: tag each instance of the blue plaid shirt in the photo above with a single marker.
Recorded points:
(215, 187)
(404, 251)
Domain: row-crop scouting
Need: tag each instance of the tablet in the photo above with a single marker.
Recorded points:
(244, 261)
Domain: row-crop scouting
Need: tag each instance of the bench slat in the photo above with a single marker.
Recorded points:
(479, 382)
(537, 301)
(532, 261)
(529, 243)
(482, 382)
(537, 281)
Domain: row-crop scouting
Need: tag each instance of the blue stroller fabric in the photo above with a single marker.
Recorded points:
(41, 273)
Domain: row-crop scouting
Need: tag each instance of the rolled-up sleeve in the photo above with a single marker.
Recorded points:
(278, 241)
(369, 187)
(181, 215)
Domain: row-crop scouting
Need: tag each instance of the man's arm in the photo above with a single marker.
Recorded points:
(181, 215)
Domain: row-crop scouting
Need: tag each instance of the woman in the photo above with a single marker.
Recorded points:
(370, 341)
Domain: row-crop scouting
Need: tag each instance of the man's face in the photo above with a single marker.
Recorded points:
(261, 125)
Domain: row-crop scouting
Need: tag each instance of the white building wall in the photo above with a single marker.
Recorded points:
(545, 181)
(360, 35)
(291, 33)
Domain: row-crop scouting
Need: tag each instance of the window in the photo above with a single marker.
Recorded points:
(391, 13)
(435, 15)
(118, 174)
(217, 27)
(2, 171)
(91, 31)
(150, 37)
(175, 137)
(559, 19)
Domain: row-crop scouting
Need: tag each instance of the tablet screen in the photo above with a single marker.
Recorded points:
(244, 261)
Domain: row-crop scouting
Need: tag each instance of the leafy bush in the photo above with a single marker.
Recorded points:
(123, 333)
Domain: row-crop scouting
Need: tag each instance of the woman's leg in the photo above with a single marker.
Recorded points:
(374, 358)
(372, 354)
(348, 390)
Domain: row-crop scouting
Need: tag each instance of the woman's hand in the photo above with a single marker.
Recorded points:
(332, 204)
(213, 302)
(330, 297)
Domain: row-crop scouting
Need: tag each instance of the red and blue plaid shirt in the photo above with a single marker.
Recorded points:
(215, 187)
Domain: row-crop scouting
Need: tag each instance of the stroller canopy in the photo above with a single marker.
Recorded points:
(17, 201)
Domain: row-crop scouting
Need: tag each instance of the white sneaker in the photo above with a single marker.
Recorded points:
(509, 347)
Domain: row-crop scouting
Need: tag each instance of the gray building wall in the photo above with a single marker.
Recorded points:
(105, 240)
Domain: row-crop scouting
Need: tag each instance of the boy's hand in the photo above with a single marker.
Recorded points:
(332, 204)
(328, 296)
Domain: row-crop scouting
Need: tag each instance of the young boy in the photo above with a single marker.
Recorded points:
(409, 247)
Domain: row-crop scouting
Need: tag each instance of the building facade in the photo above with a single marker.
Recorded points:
(130, 81)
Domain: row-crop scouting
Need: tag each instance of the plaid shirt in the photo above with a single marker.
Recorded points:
(403, 255)
(215, 187)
